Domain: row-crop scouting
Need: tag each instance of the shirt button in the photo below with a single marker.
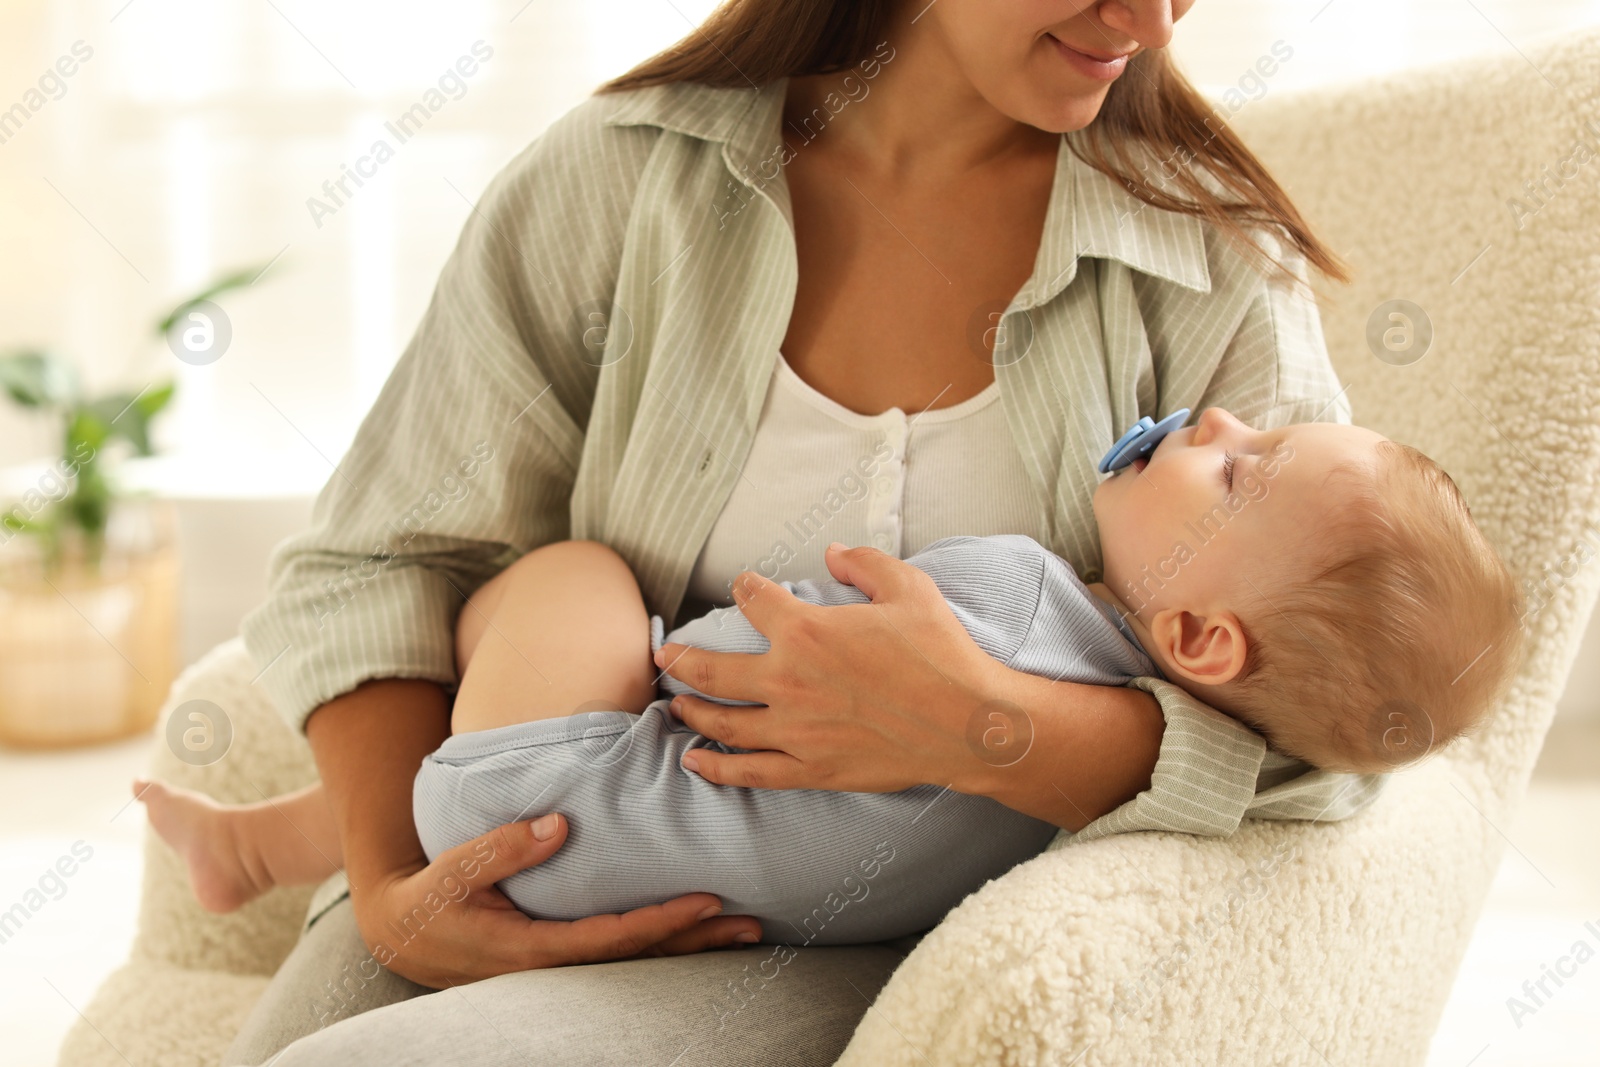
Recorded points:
(882, 542)
(882, 485)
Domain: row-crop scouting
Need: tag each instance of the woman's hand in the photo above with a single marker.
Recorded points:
(447, 924)
(444, 923)
(869, 698)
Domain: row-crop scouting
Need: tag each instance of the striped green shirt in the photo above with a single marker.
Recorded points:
(593, 364)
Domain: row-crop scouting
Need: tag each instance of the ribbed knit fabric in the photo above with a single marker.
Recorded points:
(816, 867)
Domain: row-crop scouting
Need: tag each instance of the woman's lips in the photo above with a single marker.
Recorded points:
(1104, 70)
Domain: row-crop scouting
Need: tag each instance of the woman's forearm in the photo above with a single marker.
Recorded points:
(368, 745)
(1089, 748)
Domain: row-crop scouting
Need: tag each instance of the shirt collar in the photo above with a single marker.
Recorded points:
(1090, 213)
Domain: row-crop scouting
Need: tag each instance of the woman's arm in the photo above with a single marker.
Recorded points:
(1091, 748)
(466, 460)
(881, 696)
(894, 693)
(368, 744)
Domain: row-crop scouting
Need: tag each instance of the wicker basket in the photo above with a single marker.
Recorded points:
(87, 654)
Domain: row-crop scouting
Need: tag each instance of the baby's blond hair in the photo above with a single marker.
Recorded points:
(1400, 636)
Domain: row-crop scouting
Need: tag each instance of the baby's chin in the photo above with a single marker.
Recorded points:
(1113, 524)
(1105, 505)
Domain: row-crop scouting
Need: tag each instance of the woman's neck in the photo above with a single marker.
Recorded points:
(920, 113)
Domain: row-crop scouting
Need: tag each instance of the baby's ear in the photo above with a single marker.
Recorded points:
(1203, 649)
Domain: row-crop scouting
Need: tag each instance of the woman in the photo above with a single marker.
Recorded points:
(602, 360)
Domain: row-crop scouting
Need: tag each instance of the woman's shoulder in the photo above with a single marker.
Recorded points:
(588, 163)
(605, 129)
(584, 149)
(575, 183)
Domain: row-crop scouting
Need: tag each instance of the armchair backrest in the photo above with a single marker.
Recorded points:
(1470, 191)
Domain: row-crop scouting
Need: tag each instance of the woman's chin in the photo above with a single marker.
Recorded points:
(1041, 94)
(1058, 111)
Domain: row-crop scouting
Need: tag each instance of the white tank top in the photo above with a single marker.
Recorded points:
(819, 472)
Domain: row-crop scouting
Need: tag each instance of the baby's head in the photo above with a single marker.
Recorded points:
(1321, 583)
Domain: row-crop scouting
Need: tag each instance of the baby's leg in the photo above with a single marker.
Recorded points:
(562, 630)
(236, 852)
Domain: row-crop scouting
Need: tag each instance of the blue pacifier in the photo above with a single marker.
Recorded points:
(1141, 440)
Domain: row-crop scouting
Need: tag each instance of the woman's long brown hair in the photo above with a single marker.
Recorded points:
(750, 43)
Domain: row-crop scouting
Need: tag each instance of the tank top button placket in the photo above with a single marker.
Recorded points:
(888, 487)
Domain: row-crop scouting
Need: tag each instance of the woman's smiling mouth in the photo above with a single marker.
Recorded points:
(1104, 66)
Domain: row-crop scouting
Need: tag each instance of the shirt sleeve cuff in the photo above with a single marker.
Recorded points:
(1205, 776)
(399, 625)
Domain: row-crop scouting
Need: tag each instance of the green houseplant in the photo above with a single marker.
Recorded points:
(88, 606)
(45, 382)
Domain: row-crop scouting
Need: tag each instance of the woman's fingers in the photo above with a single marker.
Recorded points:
(720, 932)
(678, 926)
(752, 770)
(733, 675)
(770, 609)
(740, 727)
(862, 567)
(766, 605)
(448, 923)
(599, 938)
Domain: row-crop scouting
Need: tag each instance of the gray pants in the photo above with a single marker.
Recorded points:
(732, 1008)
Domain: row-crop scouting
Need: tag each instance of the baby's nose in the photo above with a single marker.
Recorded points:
(1206, 426)
(1214, 422)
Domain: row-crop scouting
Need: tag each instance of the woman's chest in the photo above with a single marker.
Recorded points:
(899, 294)
(817, 472)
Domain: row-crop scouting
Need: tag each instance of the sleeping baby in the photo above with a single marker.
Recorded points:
(1321, 584)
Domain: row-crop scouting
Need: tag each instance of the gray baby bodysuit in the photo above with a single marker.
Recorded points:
(816, 867)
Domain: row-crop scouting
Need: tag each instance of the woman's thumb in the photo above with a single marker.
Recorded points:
(504, 851)
(853, 566)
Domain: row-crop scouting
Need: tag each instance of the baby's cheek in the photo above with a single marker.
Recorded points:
(1252, 488)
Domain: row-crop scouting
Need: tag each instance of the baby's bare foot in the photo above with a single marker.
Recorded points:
(205, 834)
